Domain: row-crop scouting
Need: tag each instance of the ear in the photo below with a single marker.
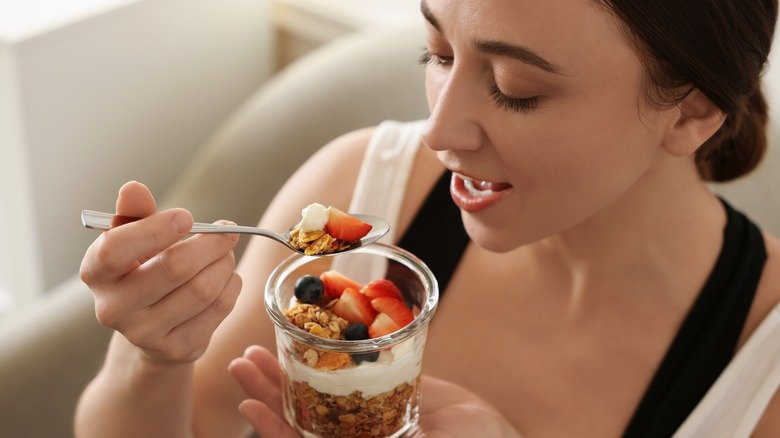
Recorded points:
(698, 120)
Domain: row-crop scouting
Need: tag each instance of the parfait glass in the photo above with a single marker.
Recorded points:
(367, 398)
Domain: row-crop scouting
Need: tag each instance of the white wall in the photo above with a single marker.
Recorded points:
(126, 93)
(758, 194)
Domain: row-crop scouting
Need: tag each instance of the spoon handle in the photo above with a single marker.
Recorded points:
(199, 227)
(99, 220)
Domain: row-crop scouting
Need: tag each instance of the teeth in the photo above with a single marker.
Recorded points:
(469, 184)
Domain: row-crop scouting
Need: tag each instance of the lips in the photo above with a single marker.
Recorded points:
(473, 195)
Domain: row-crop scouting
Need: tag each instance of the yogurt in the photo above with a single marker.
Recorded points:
(315, 216)
(401, 364)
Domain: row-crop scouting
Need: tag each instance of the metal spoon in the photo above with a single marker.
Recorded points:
(105, 221)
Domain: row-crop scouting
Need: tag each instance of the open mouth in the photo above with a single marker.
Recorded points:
(483, 188)
(473, 195)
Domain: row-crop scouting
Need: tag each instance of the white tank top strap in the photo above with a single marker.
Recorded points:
(736, 402)
(385, 170)
(381, 186)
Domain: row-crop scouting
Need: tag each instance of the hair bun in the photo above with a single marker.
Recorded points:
(737, 148)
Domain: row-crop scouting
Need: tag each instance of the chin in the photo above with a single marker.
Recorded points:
(490, 237)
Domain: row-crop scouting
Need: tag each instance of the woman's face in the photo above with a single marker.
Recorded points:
(543, 99)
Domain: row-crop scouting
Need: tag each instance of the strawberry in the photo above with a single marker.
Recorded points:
(395, 309)
(382, 288)
(354, 307)
(345, 227)
(335, 282)
(382, 325)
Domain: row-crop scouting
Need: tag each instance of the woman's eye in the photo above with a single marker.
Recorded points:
(515, 104)
(429, 59)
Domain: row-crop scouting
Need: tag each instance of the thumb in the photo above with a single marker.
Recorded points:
(135, 200)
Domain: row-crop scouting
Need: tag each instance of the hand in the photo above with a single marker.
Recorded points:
(446, 410)
(164, 294)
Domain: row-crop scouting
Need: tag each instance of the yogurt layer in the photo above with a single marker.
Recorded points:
(401, 364)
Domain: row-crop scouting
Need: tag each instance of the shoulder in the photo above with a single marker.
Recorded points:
(768, 291)
(767, 298)
(770, 279)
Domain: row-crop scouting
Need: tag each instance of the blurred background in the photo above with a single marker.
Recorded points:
(212, 104)
(94, 93)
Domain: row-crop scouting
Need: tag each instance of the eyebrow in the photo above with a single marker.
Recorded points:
(426, 11)
(519, 53)
(499, 48)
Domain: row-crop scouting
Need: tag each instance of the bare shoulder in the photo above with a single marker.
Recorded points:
(767, 298)
(768, 292)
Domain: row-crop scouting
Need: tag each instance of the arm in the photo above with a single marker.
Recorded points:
(135, 397)
(164, 295)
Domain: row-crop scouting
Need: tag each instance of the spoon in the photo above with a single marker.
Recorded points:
(98, 220)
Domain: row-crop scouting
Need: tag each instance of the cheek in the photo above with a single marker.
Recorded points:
(590, 147)
(566, 165)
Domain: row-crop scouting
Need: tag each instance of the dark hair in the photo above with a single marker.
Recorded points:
(719, 47)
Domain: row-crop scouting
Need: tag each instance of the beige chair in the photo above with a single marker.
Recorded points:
(48, 353)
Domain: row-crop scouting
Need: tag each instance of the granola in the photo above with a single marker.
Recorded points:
(320, 322)
(353, 415)
(318, 242)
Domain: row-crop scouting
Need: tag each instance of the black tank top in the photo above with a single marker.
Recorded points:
(705, 342)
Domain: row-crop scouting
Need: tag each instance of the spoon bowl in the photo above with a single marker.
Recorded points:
(99, 220)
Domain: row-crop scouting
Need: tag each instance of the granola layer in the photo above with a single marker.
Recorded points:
(318, 242)
(353, 415)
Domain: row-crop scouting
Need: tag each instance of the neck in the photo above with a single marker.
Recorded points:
(666, 226)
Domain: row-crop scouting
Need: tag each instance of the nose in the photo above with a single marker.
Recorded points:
(453, 123)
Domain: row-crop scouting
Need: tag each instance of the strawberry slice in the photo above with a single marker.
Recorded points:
(345, 227)
(335, 282)
(395, 309)
(382, 288)
(354, 307)
(382, 325)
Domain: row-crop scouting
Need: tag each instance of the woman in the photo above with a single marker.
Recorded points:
(575, 137)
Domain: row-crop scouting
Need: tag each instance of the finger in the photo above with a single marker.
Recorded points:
(191, 298)
(177, 265)
(135, 200)
(265, 421)
(198, 329)
(188, 341)
(256, 384)
(266, 362)
(116, 251)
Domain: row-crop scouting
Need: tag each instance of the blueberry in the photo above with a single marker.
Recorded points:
(309, 289)
(356, 332)
(365, 357)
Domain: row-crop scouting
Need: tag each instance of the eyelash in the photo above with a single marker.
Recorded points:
(516, 104)
(427, 58)
(499, 99)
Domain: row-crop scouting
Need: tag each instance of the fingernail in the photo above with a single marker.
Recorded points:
(182, 222)
(233, 237)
